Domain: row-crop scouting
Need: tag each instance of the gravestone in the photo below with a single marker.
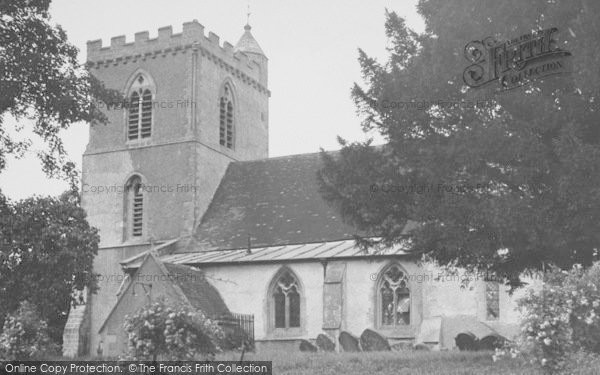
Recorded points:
(466, 341)
(422, 347)
(402, 346)
(491, 342)
(371, 341)
(349, 342)
(324, 343)
(307, 346)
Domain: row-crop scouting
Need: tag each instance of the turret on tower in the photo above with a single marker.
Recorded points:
(250, 47)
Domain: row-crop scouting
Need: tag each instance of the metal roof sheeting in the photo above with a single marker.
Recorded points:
(309, 251)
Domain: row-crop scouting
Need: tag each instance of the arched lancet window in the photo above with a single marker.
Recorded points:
(134, 207)
(285, 298)
(393, 297)
(226, 118)
(139, 116)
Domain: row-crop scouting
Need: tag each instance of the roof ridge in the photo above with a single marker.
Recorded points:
(281, 157)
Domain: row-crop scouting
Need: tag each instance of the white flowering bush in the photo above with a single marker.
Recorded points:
(585, 298)
(562, 318)
(25, 336)
(509, 350)
(162, 331)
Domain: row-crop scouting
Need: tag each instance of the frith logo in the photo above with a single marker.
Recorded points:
(515, 62)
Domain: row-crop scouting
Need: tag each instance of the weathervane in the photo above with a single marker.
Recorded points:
(248, 14)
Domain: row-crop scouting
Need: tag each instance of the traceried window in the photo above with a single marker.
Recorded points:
(226, 118)
(134, 207)
(139, 116)
(492, 300)
(285, 298)
(393, 298)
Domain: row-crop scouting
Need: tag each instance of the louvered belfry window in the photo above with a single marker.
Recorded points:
(226, 118)
(135, 207)
(139, 119)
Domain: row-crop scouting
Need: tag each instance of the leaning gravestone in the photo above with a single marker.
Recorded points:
(422, 347)
(349, 342)
(324, 343)
(466, 341)
(371, 341)
(491, 342)
(402, 346)
(307, 346)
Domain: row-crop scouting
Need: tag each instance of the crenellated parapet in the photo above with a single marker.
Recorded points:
(191, 39)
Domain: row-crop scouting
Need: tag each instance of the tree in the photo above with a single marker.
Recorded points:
(166, 332)
(42, 81)
(46, 252)
(506, 184)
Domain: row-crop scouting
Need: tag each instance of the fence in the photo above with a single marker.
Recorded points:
(244, 321)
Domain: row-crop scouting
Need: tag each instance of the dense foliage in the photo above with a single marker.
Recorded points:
(171, 332)
(46, 252)
(25, 335)
(41, 82)
(502, 182)
(561, 320)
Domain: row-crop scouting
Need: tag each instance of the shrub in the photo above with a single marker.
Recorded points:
(562, 318)
(235, 338)
(161, 331)
(25, 335)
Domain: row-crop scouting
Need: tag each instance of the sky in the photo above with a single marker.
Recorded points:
(312, 48)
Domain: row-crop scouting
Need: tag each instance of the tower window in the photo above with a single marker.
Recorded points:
(226, 118)
(285, 299)
(393, 298)
(134, 208)
(139, 117)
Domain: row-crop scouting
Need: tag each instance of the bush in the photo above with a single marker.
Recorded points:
(25, 335)
(563, 318)
(160, 331)
(235, 338)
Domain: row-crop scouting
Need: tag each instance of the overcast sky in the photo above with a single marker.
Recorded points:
(312, 50)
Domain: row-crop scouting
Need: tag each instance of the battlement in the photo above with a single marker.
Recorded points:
(191, 37)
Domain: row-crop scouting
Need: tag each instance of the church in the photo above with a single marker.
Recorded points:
(190, 207)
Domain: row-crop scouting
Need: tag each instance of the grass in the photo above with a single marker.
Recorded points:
(400, 363)
(388, 363)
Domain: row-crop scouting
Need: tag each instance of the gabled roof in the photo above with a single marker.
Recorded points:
(248, 44)
(190, 286)
(273, 201)
(198, 291)
(162, 248)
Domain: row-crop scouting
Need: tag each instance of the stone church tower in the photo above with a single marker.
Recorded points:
(193, 106)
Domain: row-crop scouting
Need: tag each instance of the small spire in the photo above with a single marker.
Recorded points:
(247, 43)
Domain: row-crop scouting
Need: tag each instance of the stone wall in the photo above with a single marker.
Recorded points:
(76, 335)
(244, 288)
